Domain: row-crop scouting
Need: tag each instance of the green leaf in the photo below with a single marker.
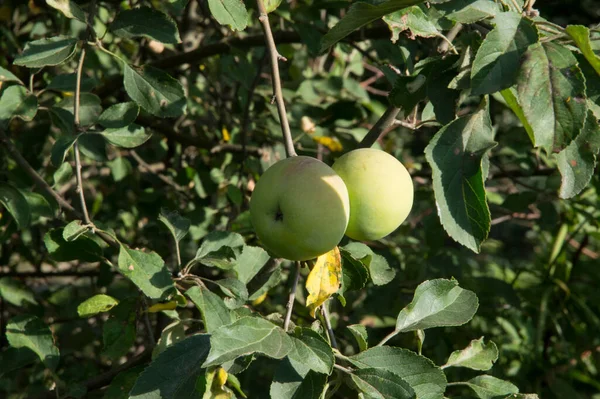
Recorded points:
(408, 91)
(437, 303)
(455, 154)
(488, 387)
(551, 92)
(311, 350)
(379, 270)
(271, 5)
(246, 336)
(93, 146)
(177, 224)
(27, 331)
(15, 358)
(497, 61)
(212, 308)
(45, 52)
(412, 19)
(66, 82)
(147, 271)
(426, 379)
(17, 102)
(477, 356)
(119, 331)
(15, 292)
(84, 248)
(38, 206)
(146, 22)
(510, 96)
(577, 162)
(361, 14)
(250, 262)
(119, 115)
(74, 230)
(229, 12)
(120, 168)
(220, 249)
(8, 76)
(130, 136)
(172, 334)
(581, 36)
(64, 172)
(16, 204)
(235, 290)
(90, 108)
(96, 304)
(60, 149)
(154, 90)
(293, 380)
(359, 332)
(122, 384)
(69, 9)
(355, 273)
(469, 11)
(381, 384)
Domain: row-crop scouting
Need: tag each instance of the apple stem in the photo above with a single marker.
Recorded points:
(292, 298)
(386, 120)
(277, 92)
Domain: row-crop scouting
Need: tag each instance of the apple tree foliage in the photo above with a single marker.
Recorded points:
(132, 134)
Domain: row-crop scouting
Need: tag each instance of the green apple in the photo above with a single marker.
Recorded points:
(380, 189)
(300, 208)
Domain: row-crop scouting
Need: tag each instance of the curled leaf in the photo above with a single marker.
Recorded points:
(324, 279)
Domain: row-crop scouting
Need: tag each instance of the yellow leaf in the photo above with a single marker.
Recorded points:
(260, 299)
(307, 125)
(159, 307)
(226, 136)
(324, 279)
(330, 142)
(215, 382)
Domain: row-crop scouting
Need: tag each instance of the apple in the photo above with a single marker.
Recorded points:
(300, 208)
(380, 189)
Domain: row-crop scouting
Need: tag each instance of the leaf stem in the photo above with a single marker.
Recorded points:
(325, 313)
(277, 92)
(342, 368)
(292, 297)
(387, 338)
(387, 119)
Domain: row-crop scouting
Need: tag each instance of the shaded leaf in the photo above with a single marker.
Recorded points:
(17, 102)
(8, 76)
(412, 19)
(130, 136)
(488, 387)
(293, 380)
(146, 22)
(44, 52)
(311, 350)
(359, 332)
(90, 108)
(379, 270)
(381, 384)
(324, 279)
(63, 174)
(119, 115)
(469, 11)
(60, 149)
(16, 204)
(15, 292)
(121, 385)
(172, 334)
(74, 230)
(15, 358)
(250, 262)
(147, 271)
(84, 249)
(27, 331)
(212, 308)
(477, 356)
(177, 224)
(66, 82)
(581, 36)
(119, 331)
(69, 8)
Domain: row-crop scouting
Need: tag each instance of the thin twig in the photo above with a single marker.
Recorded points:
(292, 298)
(388, 337)
(342, 368)
(443, 47)
(386, 120)
(325, 313)
(277, 92)
(165, 179)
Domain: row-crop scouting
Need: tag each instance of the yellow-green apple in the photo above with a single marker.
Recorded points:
(300, 208)
(380, 189)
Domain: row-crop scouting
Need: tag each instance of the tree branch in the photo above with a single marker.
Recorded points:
(292, 298)
(325, 313)
(387, 119)
(277, 92)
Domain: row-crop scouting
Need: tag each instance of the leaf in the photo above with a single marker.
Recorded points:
(130, 136)
(60, 149)
(154, 90)
(147, 271)
(63, 174)
(83, 249)
(17, 102)
(93, 146)
(213, 385)
(38, 206)
(177, 224)
(355, 273)
(358, 15)
(510, 96)
(235, 290)
(293, 380)
(119, 331)
(146, 22)
(359, 332)
(8, 76)
(577, 161)
(15, 358)
(220, 249)
(381, 384)
(488, 387)
(16, 293)
(311, 350)
(271, 5)
(551, 92)
(16, 204)
(455, 154)
(229, 12)
(212, 308)
(90, 108)
(412, 19)
(379, 270)
(324, 279)
(69, 8)
(496, 64)
(66, 82)
(122, 384)
(408, 91)
(27, 331)
(426, 379)
(73, 230)
(437, 303)
(250, 262)
(96, 304)
(469, 11)
(119, 115)
(581, 36)
(120, 168)
(45, 52)
(173, 374)
(172, 334)
(246, 336)
(477, 356)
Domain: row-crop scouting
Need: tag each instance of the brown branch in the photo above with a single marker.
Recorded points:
(292, 297)
(274, 57)
(386, 120)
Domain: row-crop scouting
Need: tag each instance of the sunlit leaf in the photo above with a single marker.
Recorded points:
(324, 279)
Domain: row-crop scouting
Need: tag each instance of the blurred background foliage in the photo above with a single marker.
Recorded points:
(536, 276)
